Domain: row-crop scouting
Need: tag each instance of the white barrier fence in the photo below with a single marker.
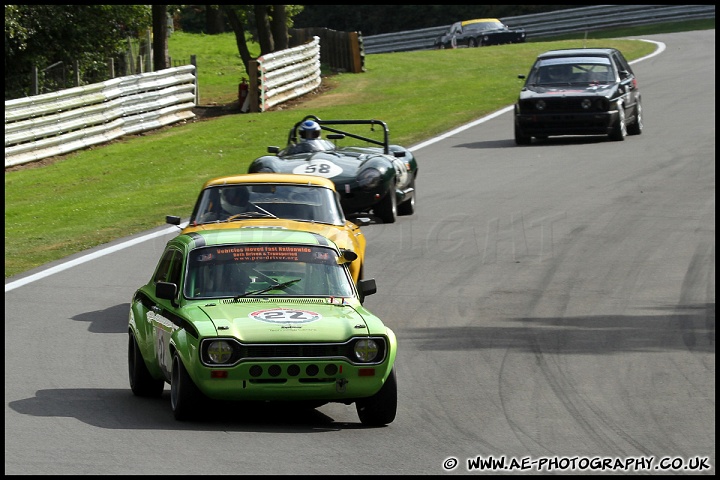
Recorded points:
(43, 126)
(56, 123)
(288, 74)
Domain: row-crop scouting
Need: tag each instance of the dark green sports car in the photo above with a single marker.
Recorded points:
(263, 314)
(370, 174)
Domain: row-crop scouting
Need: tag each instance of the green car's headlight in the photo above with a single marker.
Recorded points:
(219, 351)
(369, 178)
(366, 350)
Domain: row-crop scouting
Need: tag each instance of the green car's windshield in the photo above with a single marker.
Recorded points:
(230, 202)
(267, 270)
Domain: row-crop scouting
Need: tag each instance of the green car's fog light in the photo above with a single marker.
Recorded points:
(366, 350)
(219, 351)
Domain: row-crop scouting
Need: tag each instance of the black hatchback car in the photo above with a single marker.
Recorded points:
(584, 91)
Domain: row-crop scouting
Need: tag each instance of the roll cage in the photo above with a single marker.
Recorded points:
(330, 126)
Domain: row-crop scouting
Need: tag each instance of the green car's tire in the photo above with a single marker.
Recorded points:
(408, 206)
(185, 397)
(380, 409)
(142, 383)
(386, 209)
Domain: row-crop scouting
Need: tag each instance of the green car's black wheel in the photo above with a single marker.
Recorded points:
(185, 398)
(142, 383)
(408, 206)
(380, 409)
(386, 209)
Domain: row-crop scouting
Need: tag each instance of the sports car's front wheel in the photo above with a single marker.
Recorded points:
(185, 397)
(386, 209)
(408, 206)
(142, 383)
(381, 408)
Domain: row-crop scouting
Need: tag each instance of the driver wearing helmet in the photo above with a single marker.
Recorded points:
(309, 130)
(310, 139)
(234, 200)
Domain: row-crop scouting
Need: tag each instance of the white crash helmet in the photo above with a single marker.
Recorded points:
(309, 130)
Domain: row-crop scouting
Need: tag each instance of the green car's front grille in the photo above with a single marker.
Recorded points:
(293, 352)
(296, 351)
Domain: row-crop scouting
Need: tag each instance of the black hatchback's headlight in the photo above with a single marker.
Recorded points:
(369, 178)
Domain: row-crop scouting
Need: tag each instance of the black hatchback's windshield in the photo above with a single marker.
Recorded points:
(572, 71)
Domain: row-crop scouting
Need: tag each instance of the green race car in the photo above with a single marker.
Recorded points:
(262, 314)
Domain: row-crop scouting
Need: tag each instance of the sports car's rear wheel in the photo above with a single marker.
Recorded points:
(380, 409)
(521, 138)
(619, 131)
(386, 209)
(636, 127)
(185, 397)
(472, 43)
(408, 206)
(142, 383)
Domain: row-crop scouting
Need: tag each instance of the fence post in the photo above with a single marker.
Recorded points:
(355, 54)
(149, 50)
(34, 81)
(253, 87)
(76, 69)
(193, 61)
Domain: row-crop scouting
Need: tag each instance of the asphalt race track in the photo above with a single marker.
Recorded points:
(554, 306)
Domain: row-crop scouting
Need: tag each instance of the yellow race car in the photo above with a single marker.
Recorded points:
(288, 201)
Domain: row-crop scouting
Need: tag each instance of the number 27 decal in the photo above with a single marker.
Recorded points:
(285, 315)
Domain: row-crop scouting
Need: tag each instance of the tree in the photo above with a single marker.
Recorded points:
(264, 34)
(266, 24)
(279, 26)
(161, 55)
(49, 35)
(214, 20)
(236, 18)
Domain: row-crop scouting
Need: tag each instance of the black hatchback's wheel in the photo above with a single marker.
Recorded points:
(472, 43)
(381, 408)
(386, 208)
(636, 127)
(185, 397)
(619, 131)
(142, 383)
(520, 137)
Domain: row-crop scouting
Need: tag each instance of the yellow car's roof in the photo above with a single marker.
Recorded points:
(478, 20)
(286, 178)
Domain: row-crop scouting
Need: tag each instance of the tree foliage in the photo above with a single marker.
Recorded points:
(43, 35)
